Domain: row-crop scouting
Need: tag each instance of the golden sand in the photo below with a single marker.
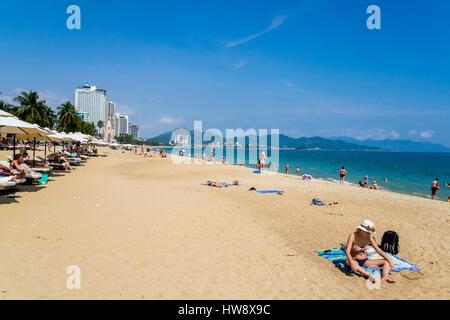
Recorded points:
(144, 228)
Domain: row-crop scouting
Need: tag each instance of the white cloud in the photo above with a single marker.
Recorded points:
(239, 64)
(427, 134)
(122, 108)
(7, 99)
(395, 135)
(370, 134)
(274, 24)
(51, 98)
(170, 120)
(288, 84)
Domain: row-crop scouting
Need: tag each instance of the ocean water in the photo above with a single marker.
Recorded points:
(406, 172)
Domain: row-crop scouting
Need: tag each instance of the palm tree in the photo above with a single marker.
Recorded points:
(7, 107)
(32, 109)
(88, 128)
(48, 118)
(68, 121)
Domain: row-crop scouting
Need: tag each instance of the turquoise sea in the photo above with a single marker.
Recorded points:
(406, 172)
(410, 173)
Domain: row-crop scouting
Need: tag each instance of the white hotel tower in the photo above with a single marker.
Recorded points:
(91, 102)
(120, 124)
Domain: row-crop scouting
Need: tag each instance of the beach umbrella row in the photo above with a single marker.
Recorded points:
(22, 130)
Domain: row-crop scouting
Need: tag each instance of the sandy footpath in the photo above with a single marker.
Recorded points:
(144, 228)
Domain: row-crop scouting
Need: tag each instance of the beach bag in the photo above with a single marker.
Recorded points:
(390, 242)
(317, 202)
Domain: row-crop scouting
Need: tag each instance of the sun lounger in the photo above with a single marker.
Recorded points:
(51, 165)
(6, 183)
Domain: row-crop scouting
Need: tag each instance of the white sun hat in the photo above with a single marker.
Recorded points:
(367, 226)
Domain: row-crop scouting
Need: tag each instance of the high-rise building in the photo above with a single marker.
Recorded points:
(83, 115)
(120, 124)
(134, 131)
(90, 101)
(110, 110)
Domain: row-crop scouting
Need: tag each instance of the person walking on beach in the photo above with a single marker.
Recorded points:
(298, 170)
(286, 169)
(342, 174)
(434, 188)
(262, 160)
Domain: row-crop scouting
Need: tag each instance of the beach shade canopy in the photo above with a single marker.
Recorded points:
(86, 137)
(83, 138)
(59, 136)
(12, 125)
(5, 114)
(40, 135)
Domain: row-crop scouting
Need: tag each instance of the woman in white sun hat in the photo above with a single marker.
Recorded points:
(356, 251)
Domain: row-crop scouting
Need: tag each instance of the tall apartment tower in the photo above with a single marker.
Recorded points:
(91, 102)
(120, 124)
(133, 130)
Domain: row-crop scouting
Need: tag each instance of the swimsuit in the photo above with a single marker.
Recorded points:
(359, 250)
(361, 262)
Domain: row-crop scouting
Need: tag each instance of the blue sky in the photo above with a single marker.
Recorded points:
(305, 67)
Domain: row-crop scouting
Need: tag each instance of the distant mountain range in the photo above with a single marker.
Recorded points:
(287, 142)
(335, 143)
(397, 145)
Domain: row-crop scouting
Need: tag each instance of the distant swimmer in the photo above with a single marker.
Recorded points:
(342, 174)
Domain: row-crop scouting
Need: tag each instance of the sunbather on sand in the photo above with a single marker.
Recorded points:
(221, 184)
(375, 186)
(356, 252)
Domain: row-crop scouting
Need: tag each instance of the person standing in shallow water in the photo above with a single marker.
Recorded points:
(434, 188)
(342, 174)
(286, 169)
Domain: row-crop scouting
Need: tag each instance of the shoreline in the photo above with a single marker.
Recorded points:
(325, 179)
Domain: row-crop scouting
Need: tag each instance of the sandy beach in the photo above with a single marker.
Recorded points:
(144, 228)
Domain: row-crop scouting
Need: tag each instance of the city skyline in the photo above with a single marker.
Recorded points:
(291, 65)
(93, 106)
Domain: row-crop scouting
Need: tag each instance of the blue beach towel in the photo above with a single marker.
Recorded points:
(269, 191)
(338, 258)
